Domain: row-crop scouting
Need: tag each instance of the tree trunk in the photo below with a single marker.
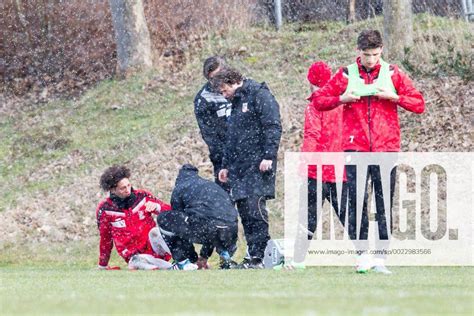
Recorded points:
(351, 11)
(278, 17)
(398, 27)
(21, 16)
(131, 35)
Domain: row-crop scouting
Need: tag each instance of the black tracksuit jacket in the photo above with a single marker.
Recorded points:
(253, 134)
(211, 110)
(199, 197)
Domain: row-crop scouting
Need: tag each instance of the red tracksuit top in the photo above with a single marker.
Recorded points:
(370, 124)
(322, 133)
(126, 228)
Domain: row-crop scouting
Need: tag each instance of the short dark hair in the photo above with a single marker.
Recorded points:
(211, 64)
(112, 176)
(369, 39)
(228, 76)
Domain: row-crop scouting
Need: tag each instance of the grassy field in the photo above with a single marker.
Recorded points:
(320, 290)
(62, 279)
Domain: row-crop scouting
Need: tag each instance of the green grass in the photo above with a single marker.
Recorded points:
(315, 291)
(62, 279)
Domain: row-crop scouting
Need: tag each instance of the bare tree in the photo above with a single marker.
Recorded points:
(131, 35)
(398, 26)
(278, 17)
(21, 16)
(351, 11)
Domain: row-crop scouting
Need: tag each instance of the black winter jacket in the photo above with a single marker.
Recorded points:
(211, 110)
(197, 196)
(253, 134)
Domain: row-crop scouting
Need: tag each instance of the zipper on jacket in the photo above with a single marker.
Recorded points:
(368, 111)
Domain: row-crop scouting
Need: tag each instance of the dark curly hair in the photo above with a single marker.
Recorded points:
(112, 176)
(369, 39)
(211, 64)
(227, 76)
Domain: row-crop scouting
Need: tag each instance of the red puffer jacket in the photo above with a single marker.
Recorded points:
(322, 133)
(370, 124)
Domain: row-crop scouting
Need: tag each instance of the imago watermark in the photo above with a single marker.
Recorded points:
(405, 208)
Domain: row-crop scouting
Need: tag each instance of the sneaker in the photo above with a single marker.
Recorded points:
(381, 269)
(290, 266)
(362, 269)
(226, 264)
(280, 265)
(184, 265)
(244, 264)
(254, 263)
(296, 266)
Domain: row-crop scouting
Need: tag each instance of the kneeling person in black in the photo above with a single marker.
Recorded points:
(202, 214)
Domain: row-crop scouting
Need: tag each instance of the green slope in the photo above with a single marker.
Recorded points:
(57, 150)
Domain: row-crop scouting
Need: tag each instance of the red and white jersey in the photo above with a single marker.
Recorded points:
(127, 228)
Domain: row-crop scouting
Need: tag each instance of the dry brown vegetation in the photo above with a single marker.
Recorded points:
(63, 47)
(55, 46)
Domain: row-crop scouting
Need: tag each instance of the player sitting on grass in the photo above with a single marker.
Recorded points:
(125, 219)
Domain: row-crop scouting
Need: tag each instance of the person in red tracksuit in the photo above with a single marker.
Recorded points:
(322, 133)
(322, 129)
(370, 92)
(124, 219)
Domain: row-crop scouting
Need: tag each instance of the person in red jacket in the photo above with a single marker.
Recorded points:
(124, 219)
(322, 129)
(370, 91)
(322, 133)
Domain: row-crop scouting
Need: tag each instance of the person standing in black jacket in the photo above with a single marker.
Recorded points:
(211, 110)
(250, 155)
(202, 213)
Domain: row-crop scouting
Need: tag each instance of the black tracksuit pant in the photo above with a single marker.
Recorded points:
(349, 205)
(373, 173)
(254, 216)
(207, 249)
(382, 210)
(329, 193)
(181, 231)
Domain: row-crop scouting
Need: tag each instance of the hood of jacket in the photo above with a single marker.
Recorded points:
(187, 171)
